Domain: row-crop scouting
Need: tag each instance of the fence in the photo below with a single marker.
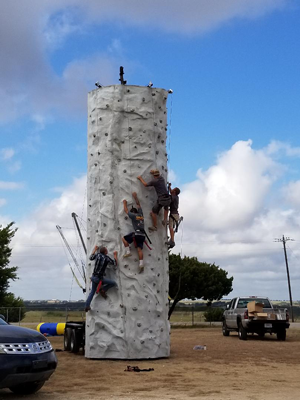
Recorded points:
(30, 317)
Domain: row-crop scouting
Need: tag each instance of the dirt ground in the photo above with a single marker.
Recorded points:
(230, 369)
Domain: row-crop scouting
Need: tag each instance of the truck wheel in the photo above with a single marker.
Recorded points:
(225, 331)
(242, 332)
(67, 339)
(75, 345)
(27, 388)
(281, 335)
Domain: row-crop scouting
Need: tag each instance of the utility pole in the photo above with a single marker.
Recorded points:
(284, 240)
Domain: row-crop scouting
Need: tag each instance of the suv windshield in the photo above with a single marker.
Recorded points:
(244, 301)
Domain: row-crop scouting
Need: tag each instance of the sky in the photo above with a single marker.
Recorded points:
(233, 128)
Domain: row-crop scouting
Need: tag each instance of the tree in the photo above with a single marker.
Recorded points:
(191, 279)
(7, 273)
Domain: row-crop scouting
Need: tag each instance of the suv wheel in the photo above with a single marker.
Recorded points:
(27, 388)
(242, 332)
(225, 331)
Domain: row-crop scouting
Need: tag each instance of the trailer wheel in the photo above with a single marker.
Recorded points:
(281, 335)
(75, 344)
(67, 339)
(242, 332)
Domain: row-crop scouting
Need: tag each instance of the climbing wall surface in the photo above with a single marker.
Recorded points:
(127, 128)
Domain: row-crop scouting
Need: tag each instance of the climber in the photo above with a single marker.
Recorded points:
(173, 216)
(101, 261)
(138, 236)
(163, 197)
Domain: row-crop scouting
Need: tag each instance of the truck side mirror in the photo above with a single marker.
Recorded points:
(227, 306)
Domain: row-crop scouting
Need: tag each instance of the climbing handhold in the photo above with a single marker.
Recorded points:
(162, 141)
(106, 134)
(104, 224)
(130, 129)
(155, 123)
(104, 194)
(139, 324)
(157, 152)
(134, 308)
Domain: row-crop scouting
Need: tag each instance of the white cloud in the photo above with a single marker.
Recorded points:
(6, 154)
(28, 84)
(291, 192)
(228, 220)
(231, 192)
(38, 248)
(11, 185)
(172, 177)
(2, 202)
(278, 147)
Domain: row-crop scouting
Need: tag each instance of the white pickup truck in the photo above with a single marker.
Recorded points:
(237, 318)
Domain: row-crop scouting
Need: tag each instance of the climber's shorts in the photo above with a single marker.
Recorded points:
(139, 239)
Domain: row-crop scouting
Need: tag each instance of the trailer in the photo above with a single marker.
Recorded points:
(74, 336)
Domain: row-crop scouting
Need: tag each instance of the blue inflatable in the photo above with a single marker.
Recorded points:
(51, 328)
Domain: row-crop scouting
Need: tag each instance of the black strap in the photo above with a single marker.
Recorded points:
(137, 369)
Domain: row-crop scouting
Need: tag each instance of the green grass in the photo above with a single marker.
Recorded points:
(52, 316)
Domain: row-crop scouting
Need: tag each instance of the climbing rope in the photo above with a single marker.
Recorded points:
(71, 288)
(181, 239)
(169, 134)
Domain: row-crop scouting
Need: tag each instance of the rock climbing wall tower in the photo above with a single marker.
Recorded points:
(127, 128)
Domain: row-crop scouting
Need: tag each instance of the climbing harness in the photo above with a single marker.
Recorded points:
(177, 223)
(99, 286)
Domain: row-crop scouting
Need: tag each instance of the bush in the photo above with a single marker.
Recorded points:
(213, 314)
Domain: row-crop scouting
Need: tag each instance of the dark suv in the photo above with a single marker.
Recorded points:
(27, 359)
